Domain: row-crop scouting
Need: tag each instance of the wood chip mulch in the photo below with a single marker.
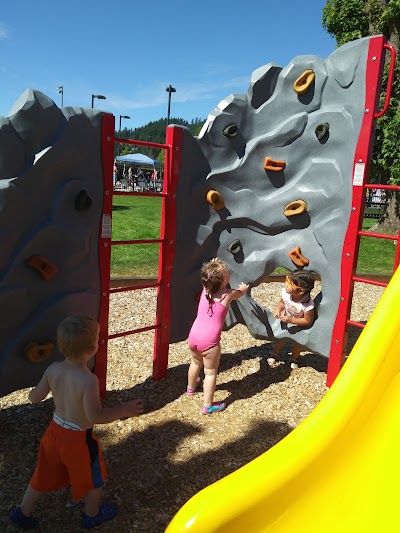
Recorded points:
(158, 461)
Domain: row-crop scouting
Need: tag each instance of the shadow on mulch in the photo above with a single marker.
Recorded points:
(157, 395)
(147, 484)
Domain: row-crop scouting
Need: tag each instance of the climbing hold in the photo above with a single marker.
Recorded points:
(298, 258)
(45, 268)
(231, 130)
(83, 201)
(272, 164)
(37, 352)
(322, 131)
(295, 208)
(234, 247)
(215, 200)
(303, 83)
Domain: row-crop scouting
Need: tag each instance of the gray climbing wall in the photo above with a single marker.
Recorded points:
(51, 194)
(314, 134)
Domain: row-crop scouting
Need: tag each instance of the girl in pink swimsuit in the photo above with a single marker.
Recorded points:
(205, 334)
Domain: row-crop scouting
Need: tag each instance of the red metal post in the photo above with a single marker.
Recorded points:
(107, 147)
(362, 159)
(173, 154)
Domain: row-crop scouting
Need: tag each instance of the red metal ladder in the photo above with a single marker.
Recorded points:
(166, 241)
(362, 157)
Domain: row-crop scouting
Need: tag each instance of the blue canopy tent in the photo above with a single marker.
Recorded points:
(139, 159)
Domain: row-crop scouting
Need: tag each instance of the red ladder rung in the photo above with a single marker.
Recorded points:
(138, 193)
(379, 235)
(138, 241)
(357, 324)
(135, 288)
(369, 281)
(132, 331)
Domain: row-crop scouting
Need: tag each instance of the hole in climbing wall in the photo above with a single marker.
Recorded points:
(268, 292)
(322, 132)
(231, 130)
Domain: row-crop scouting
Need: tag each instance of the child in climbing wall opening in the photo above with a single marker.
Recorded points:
(70, 452)
(205, 334)
(295, 307)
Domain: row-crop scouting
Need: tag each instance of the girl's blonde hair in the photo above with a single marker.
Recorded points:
(213, 274)
(76, 336)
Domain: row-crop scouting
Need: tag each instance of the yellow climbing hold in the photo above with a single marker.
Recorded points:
(215, 200)
(303, 83)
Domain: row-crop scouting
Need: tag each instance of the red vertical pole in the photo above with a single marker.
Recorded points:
(174, 139)
(362, 158)
(397, 254)
(107, 150)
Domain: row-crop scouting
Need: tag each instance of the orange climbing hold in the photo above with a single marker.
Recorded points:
(45, 268)
(215, 200)
(37, 352)
(272, 164)
(295, 208)
(298, 258)
(304, 82)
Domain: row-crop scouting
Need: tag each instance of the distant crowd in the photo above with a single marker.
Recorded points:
(137, 179)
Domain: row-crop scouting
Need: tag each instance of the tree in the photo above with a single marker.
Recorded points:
(347, 20)
(154, 132)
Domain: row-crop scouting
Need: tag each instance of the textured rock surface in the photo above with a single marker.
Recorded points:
(272, 120)
(47, 156)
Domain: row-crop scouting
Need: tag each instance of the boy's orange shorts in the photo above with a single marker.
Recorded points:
(68, 457)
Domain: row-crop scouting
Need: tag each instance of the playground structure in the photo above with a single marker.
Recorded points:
(337, 471)
(262, 186)
(259, 196)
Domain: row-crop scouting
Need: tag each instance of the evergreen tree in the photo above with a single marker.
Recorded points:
(347, 20)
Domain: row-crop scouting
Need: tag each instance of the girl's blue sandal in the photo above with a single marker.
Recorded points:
(107, 511)
(190, 391)
(214, 408)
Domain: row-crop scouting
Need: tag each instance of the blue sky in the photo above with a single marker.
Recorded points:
(131, 51)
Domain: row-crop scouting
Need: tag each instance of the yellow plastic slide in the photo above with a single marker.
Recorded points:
(338, 471)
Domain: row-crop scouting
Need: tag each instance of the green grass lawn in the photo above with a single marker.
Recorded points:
(139, 217)
(375, 256)
(135, 217)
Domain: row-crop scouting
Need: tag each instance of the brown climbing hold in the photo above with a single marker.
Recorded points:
(272, 164)
(37, 352)
(295, 208)
(45, 268)
(303, 83)
(298, 258)
(215, 200)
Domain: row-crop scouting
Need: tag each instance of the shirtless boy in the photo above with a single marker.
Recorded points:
(70, 452)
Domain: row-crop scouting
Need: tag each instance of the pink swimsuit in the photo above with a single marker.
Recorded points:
(206, 330)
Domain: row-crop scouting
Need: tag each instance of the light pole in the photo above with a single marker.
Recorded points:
(60, 90)
(99, 96)
(169, 90)
(119, 132)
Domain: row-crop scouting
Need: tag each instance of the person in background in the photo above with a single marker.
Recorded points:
(130, 177)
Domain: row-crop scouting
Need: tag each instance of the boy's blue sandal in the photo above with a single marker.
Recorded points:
(214, 408)
(107, 511)
(25, 522)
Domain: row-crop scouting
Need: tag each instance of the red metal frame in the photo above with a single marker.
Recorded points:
(167, 251)
(362, 159)
(107, 133)
(392, 51)
(166, 242)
